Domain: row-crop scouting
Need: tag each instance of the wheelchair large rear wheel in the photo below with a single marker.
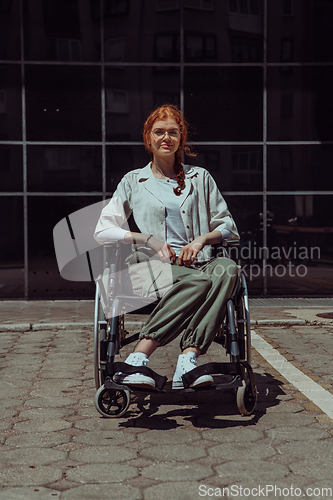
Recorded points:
(100, 332)
(112, 403)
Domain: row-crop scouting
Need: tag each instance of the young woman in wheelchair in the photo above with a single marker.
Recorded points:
(180, 213)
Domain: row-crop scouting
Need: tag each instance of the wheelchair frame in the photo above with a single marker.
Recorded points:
(111, 399)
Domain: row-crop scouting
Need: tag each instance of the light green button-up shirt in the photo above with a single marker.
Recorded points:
(203, 208)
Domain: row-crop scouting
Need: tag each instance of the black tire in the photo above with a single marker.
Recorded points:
(112, 403)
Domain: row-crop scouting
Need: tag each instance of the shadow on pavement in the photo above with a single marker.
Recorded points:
(205, 408)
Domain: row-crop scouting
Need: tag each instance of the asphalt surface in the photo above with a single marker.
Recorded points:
(167, 446)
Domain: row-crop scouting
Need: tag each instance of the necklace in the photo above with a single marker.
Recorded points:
(162, 173)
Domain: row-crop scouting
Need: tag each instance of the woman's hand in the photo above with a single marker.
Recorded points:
(163, 250)
(189, 252)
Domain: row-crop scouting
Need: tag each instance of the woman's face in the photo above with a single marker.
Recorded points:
(165, 138)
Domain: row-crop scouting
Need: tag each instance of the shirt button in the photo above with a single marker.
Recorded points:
(188, 227)
(183, 211)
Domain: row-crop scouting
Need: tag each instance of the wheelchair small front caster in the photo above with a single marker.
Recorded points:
(111, 402)
(246, 400)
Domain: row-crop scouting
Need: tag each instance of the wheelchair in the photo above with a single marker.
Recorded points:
(114, 298)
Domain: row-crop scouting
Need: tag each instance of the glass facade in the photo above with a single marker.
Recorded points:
(254, 80)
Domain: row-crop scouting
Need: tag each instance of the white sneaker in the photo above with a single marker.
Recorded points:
(136, 379)
(186, 363)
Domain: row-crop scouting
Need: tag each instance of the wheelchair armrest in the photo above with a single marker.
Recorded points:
(115, 254)
(230, 243)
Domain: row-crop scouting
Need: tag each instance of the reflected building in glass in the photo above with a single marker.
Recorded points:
(254, 79)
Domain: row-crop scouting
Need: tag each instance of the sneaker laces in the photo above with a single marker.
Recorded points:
(135, 360)
(185, 367)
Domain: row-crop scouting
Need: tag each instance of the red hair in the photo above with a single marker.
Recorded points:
(162, 113)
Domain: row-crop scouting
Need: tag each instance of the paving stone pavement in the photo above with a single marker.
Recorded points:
(168, 446)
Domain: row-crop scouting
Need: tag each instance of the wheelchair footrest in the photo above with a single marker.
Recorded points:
(233, 384)
(112, 368)
(110, 384)
(210, 368)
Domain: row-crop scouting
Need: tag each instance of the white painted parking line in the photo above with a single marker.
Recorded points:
(313, 391)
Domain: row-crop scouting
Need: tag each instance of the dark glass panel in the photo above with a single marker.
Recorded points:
(143, 31)
(131, 94)
(301, 210)
(246, 212)
(65, 30)
(10, 103)
(306, 24)
(44, 278)
(11, 168)
(300, 103)
(122, 159)
(221, 106)
(10, 39)
(166, 47)
(223, 31)
(64, 168)
(11, 248)
(300, 246)
(234, 168)
(63, 103)
(303, 167)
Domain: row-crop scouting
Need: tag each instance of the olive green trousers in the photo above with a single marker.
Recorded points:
(192, 300)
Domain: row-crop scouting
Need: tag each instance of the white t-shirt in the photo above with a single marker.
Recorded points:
(175, 229)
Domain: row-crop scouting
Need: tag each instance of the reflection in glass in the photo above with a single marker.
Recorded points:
(70, 30)
(300, 168)
(44, 278)
(234, 168)
(11, 248)
(247, 7)
(199, 4)
(122, 159)
(220, 106)
(10, 103)
(288, 7)
(114, 7)
(9, 30)
(302, 210)
(131, 94)
(300, 103)
(166, 47)
(63, 103)
(64, 168)
(63, 49)
(144, 31)
(301, 31)
(200, 46)
(300, 243)
(114, 49)
(11, 170)
(235, 31)
(297, 260)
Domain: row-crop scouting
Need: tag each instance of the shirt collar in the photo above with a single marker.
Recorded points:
(146, 172)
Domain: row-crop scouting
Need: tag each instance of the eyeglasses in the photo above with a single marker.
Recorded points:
(159, 133)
